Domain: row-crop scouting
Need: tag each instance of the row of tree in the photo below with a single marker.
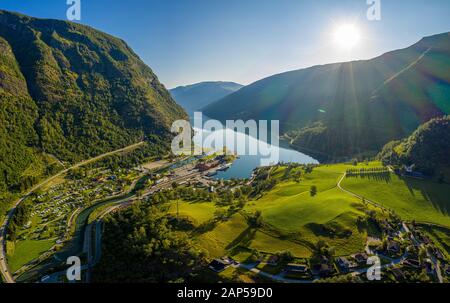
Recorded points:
(370, 170)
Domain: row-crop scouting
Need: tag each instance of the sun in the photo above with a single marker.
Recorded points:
(347, 36)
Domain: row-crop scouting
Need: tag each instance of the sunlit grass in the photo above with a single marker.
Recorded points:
(28, 250)
(411, 199)
(198, 212)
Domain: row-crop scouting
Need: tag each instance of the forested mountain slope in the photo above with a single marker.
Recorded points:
(73, 92)
(345, 109)
(196, 96)
(427, 150)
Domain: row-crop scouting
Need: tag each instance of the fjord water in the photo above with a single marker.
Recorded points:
(245, 164)
(243, 167)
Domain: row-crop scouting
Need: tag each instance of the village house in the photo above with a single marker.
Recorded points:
(344, 264)
(322, 269)
(296, 268)
(204, 166)
(393, 247)
(218, 265)
(361, 258)
(325, 270)
(273, 260)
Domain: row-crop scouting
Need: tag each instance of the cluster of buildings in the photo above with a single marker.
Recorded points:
(220, 162)
(51, 209)
(355, 261)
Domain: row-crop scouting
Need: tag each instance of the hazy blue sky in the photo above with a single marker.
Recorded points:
(187, 41)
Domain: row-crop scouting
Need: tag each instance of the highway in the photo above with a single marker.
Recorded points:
(93, 231)
(4, 270)
(94, 257)
(179, 174)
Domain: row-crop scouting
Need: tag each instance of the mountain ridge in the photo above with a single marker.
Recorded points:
(198, 95)
(86, 93)
(348, 108)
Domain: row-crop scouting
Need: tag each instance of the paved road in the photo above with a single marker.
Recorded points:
(4, 270)
(279, 278)
(356, 195)
(93, 256)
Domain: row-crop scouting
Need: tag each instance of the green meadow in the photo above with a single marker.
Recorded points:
(294, 220)
(197, 212)
(307, 219)
(411, 199)
(224, 236)
(266, 243)
(27, 250)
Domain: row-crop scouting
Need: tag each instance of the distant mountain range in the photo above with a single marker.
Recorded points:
(196, 96)
(74, 92)
(352, 108)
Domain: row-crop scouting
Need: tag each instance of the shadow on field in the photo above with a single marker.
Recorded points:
(439, 233)
(244, 238)
(369, 226)
(438, 195)
(330, 230)
(205, 227)
(373, 176)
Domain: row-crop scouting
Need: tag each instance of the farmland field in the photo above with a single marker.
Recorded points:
(198, 212)
(224, 235)
(27, 250)
(411, 199)
(294, 220)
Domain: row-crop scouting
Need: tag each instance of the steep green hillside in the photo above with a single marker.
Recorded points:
(196, 96)
(18, 113)
(344, 109)
(73, 92)
(428, 149)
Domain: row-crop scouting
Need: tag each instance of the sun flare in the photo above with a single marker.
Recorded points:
(347, 36)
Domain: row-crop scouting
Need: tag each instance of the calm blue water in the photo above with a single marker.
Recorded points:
(245, 164)
(243, 167)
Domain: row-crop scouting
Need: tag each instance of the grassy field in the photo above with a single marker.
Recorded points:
(224, 236)
(197, 212)
(294, 220)
(411, 199)
(440, 236)
(56, 181)
(27, 250)
(38, 167)
(267, 244)
(290, 210)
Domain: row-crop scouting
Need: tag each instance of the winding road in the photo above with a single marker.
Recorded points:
(94, 256)
(93, 231)
(405, 227)
(4, 270)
